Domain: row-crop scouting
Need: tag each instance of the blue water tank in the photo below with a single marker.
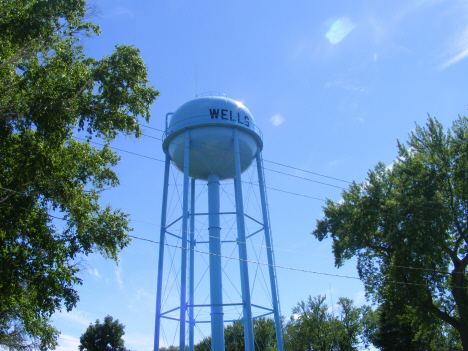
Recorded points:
(211, 121)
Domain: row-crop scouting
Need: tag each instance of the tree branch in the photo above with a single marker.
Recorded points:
(387, 250)
(452, 254)
(80, 91)
(17, 56)
(9, 116)
(443, 315)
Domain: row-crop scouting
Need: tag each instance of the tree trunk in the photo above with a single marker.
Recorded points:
(460, 296)
(464, 340)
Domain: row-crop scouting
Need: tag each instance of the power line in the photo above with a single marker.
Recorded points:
(276, 171)
(247, 163)
(248, 261)
(195, 169)
(277, 163)
(69, 339)
(277, 266)
(234, 241)
(269, 169)
(267, 187)
(300, 252)
(264, 160)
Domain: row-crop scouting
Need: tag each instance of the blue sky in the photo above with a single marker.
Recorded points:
(332, 85)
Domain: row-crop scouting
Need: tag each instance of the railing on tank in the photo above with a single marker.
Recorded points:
(202, 121)
(210, 93)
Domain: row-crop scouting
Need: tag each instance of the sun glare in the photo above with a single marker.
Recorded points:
(339, 30)
(276, 120)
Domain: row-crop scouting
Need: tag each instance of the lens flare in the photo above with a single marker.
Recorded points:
(339, 30)
(276, 120)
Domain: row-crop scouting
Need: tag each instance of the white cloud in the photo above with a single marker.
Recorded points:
(335, 309)
(299, 49)
(76, 316)
(346, 86)
(334, 163)
(118, 277)
(119, 12)
(139, 341)
(455, 59)
(360, 298)
(94, 271)
(457, 48)
(67, 343)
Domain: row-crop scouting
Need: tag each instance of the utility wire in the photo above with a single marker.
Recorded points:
(241, 242)
(236, 241)
(299, 252)
(277, 163)
(273, 170)
(68, 339)
(277, 266)
(248, 163)
(273, 162)
(195, 169)
(267, 187)
(264, 160)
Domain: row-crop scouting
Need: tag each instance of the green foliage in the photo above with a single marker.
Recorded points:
(407, 225)
(264, 334)
(103, 337)
(14, 337)
(313, 327)
(49, 90)
(389, 329)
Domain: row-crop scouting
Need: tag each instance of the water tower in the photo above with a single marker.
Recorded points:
(213, 140)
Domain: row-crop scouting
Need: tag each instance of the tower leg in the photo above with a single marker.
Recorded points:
(216, 286)
(248, 325)
(269, 248)
(183, 269)
(162, 238)
(192, 267)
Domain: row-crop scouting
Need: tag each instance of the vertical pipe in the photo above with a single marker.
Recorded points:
(216, 286)
(162, 238)
(192, 265)
(238, 246)
(183, 269)
(167, 120)
(248, 326)
(269, 248)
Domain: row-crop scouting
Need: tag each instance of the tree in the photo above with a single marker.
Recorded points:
(407, 225)
(103, 337)
(51, 97)
(389, 329)
(313, 327)
(264, 334)
(351, 327)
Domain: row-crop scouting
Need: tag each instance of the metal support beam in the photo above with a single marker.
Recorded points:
(248, 325)
(216, 286)
(192, 267)
(162, 240)
(183, 264)
(269, 249)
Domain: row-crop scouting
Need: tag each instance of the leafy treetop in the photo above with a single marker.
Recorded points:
(49, 91)
(408, 226)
